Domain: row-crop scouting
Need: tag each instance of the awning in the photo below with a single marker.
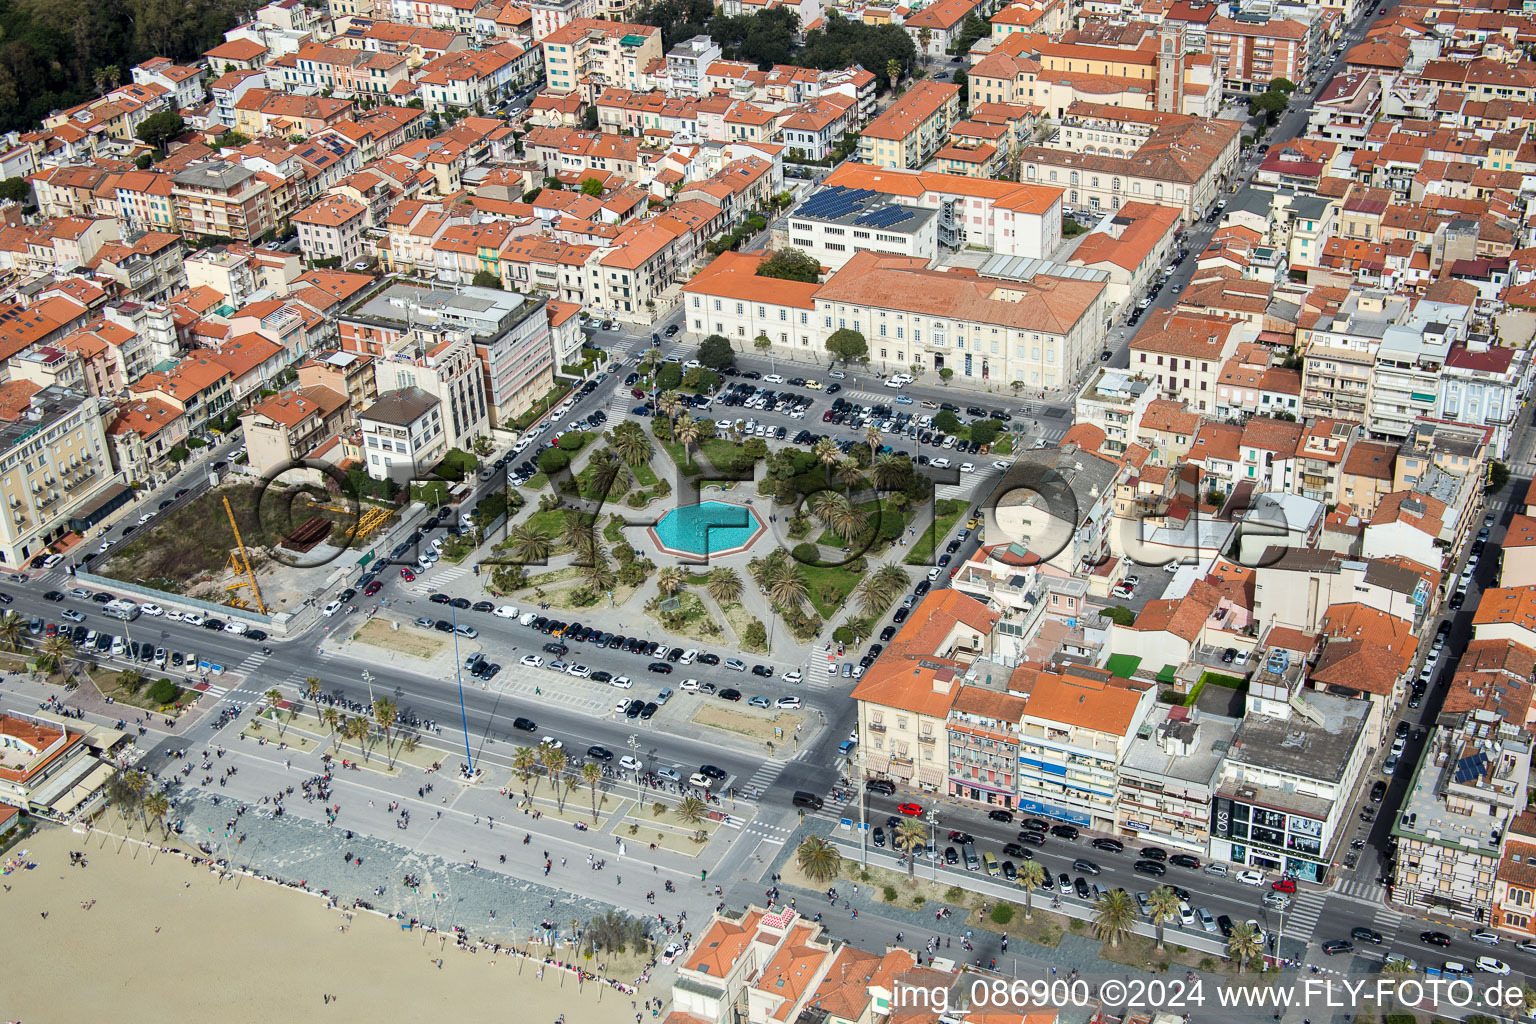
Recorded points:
(82, 791)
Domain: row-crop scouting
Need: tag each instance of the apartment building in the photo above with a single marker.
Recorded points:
(1115, 403)
(222, 199)
(54, 460)
(346, 373)
(477, 79)
(1468, 788)
(1182, 162)
(1340, 357)
(939, 23)
(1484, 384)
(1168, 778)
(912, 129)
(286, 427)
(1184, 353)
(1288, 784)
(589, 55)
(1253, 53)
(983, 740)
(403, 435)
(1076, 728)
(332, 229)
(424, 340)
(343, 71)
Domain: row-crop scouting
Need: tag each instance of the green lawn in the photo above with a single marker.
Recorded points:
(644, 474)
(584, 481)
(536, 482)
(838, 583)
(726, 455)
(676, 451)
(870, 509)
(946, 512)
(550, 522)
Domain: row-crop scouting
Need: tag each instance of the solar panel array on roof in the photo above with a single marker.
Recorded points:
(884, 217)
(1469, 768)
(836, 201)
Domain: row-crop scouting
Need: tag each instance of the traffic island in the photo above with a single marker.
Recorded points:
(644, 824)
(776, 730)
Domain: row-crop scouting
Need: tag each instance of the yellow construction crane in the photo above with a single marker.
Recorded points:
(240, 563)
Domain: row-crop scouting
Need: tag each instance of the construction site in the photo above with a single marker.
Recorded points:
(267, 549)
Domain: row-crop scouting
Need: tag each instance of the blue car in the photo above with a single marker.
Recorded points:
(903, 400)
(640, 410)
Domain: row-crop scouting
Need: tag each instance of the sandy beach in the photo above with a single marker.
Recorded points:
(164, 940)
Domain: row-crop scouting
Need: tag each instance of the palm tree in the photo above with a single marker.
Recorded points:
(651, 355)
(819, 859)
(668, 402)
(724, 585)
(823, 504)
(1162, 906)
(629, 440)
(578, 529)
(893, 71)
(889, 470)
(385, 712)
(274, 698)
(850, 473)
(598, 574)
(924, 37)
(1031, 877)
(671, 579)
(53, 651)
(874, 438)
(849, 521)
(13, 628)
(909, 838)
(1244, 945)
(691, 810)
(529, 545)
(523, 763)
(786, 585)
(1114, 915)
(332, 718)
(889, 580)
(360, 731)
(591, 774)
(607, 469)
(827, 453)
(554, 761)
(154, 808)
(312, 689)
(687, 431)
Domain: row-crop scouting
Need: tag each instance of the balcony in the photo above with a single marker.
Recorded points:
(927, 739)
(876, 727)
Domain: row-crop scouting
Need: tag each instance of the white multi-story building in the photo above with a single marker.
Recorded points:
(1074, 734)
(1484, 384)
(1168, 778)
(403, 435)
(1405, 382)
(1288, 783)
(54, 460)
(832, 224)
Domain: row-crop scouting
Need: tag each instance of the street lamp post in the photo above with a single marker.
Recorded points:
(634, 751)
(368, 678)
(933, 844)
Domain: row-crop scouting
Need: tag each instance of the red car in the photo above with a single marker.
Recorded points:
(911, 810)
(636, 393)
(372, 588)
(1285, 885)
(407, 575)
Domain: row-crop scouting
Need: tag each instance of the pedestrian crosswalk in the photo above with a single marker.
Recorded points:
(1306, 907)
(772, 833)
(1363, 889)
(767, 773)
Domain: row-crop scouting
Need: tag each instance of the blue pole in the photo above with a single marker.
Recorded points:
(458, 675)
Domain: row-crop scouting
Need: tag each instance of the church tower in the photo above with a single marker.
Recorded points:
(1170, 68)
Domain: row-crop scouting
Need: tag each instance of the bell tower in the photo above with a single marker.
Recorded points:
(1170, 68)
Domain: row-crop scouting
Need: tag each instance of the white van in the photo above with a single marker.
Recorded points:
(527, 618)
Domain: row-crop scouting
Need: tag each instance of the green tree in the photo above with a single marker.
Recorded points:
(158, 129)
(1031, 877)
(553, 460)
(791, 265)
(724, 584)
(716, 353)
(946, 421)
(818, 859)
(591, 774)
(154, 807)
(177, 454)
(1270, 104)
(691, 810)
(1113, 916)
(16, 190)
(909, 838)
(985, 431)
(1245, 945)
(485, 279)
(1162, 907)
(1284, 85)
(1498, 476)
(591, 187)
(847, 346)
